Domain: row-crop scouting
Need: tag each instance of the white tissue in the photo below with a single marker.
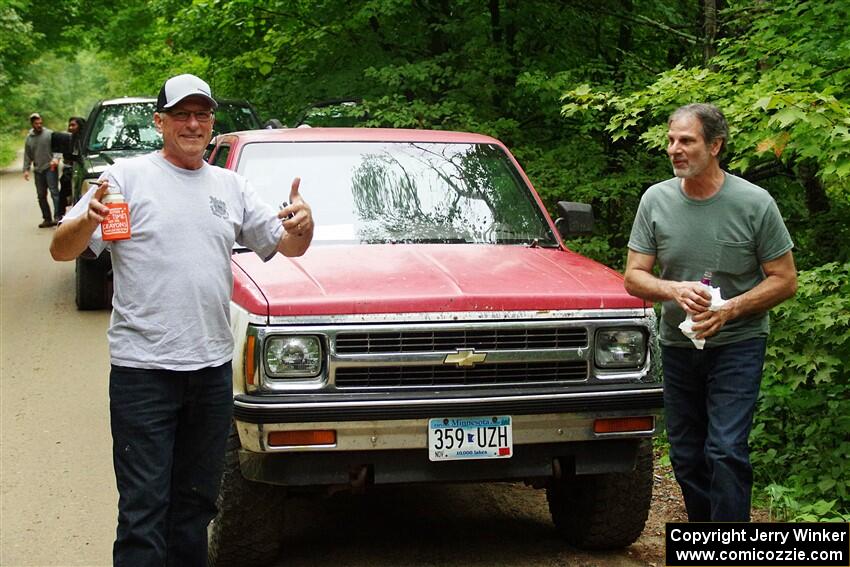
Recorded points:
(687, 326)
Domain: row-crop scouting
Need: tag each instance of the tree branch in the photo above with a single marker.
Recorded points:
(637, 61)
(640, 19)
(766, 170)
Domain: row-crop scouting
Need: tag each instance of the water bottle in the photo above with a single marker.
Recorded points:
(706, 278)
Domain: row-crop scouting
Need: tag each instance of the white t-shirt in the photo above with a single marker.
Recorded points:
(172, 278)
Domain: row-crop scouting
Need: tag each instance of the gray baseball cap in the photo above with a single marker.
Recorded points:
(177, 88)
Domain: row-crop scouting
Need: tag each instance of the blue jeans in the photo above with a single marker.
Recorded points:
(44, 181)
(709, 402)
(169, 433)
(65, 188)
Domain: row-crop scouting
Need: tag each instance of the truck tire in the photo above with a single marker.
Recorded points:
(249, 526)
(603, 511)
(92, 283)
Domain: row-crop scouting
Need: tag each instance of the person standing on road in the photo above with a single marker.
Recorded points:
(705, 219)
(37, 154)
(75, 128)
(169, 336)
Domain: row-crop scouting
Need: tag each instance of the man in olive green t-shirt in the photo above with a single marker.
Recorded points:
(705, 219)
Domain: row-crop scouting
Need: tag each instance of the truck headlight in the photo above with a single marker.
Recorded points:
(620, 348)
(297, 356)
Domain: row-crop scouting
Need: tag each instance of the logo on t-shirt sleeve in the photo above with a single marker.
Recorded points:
(218, 207)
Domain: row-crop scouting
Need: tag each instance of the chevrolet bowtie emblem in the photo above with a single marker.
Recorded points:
(466, 357)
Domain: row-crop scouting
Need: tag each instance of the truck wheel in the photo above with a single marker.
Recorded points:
(92, 283)
(249, 526)
(603, 511)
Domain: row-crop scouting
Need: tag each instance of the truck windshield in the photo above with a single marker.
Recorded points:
(124, 127)
(129, 126)
(232, 116)
(401, 192)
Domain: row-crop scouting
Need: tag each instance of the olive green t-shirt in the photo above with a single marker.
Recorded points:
(730, 234)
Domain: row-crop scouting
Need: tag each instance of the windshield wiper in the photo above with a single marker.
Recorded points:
(547, 244)
(534, 243)
(416, 241)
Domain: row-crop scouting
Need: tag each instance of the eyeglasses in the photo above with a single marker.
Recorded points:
(201, 116)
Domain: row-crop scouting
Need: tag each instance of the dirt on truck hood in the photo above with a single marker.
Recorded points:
(367, 279)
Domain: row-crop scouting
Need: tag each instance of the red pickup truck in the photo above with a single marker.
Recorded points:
(437, 330)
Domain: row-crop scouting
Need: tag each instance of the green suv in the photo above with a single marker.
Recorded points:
(117, 129)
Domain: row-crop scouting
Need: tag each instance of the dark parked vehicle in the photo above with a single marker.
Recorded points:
(118, 129)
(336, 113)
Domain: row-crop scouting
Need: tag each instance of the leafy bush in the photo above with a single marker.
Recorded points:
(8, 146)
(801, 437)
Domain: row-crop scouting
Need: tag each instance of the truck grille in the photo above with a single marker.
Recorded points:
(483, 375)
(400, 353)
(450, 340)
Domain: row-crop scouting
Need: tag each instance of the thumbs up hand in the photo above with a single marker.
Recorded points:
(297, 216)
(97, 211)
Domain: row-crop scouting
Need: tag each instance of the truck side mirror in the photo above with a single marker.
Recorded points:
(576, 219)
(272, 124)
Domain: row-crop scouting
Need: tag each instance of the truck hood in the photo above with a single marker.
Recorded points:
(401, 278)
(99, 161)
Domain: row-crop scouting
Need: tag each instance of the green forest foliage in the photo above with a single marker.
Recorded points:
(580, 91)
(782, 79)
(17, 47)
(801, 439)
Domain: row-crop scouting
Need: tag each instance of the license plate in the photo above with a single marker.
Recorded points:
(457, 438)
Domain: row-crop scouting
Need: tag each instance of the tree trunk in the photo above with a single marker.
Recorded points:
(436, 13)
(496, 21)
(511, 6)
(624, 40)
(709, 30)
(816, 199)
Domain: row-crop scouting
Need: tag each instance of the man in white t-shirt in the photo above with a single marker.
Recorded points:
(169, 336)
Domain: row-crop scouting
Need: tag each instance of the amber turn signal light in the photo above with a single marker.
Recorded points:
(302, 438)
(249, 359)
(624, 424)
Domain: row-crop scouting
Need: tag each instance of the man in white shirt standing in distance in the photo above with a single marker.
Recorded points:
(705, 219)
(169, 336)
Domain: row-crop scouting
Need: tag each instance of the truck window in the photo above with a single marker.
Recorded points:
(402, 192)
(220, 157)
(124, 127)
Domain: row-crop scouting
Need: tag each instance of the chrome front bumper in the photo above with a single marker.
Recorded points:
(403, 424)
